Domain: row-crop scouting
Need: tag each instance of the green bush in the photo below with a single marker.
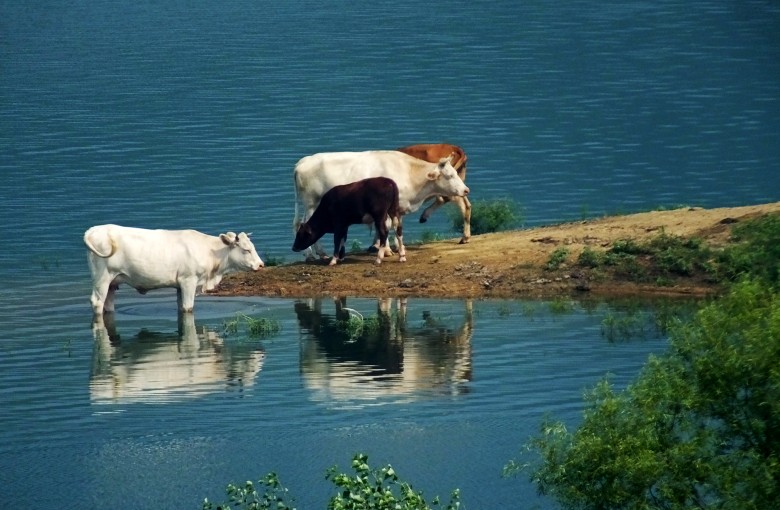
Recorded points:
(557, 258)
(680, 256)
(665, 255)
(628, 247)
(378, 489)
(756, 251)
(367, 489)
(590, 258)
(270, 260)
(246, 497)
(429, 236)
(699, 428)
(489, 216)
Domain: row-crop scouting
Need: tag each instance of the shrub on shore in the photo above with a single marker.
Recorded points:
(488, 216)
(754, 249)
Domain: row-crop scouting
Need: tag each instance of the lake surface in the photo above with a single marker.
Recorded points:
(147, 412)
(192, 115)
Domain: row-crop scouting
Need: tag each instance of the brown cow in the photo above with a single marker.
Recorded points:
(373, 200)
(433, 152)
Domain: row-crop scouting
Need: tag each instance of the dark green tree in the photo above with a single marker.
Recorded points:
(699, 428)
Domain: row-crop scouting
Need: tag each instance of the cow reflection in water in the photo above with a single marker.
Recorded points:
(395, 359)
(163, 367)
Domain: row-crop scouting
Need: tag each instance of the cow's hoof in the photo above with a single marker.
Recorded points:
(402, 259)
(464, 240)
(423, 219)
(333, 261)
(378, 261)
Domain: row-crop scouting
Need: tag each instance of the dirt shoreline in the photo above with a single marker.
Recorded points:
(501, 265)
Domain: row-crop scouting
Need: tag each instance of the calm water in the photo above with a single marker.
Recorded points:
(137, 414)
(192, 115)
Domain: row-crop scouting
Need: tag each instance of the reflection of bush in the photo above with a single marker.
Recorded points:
(356, 325)
(261, 327)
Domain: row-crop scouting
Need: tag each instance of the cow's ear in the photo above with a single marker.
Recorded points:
(228, 239)
(433, 175)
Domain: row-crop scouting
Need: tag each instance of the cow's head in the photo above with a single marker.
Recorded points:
(304, 237)
(242, 255)
(446, 179)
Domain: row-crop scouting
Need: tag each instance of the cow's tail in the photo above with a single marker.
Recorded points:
(296, 222)
(96, 238)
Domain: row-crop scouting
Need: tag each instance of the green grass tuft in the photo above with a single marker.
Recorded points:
(488, 216)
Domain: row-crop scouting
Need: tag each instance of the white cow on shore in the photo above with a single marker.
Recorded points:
(186, 260)
(417, 180)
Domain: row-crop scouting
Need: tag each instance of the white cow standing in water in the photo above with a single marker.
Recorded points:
(186, 260)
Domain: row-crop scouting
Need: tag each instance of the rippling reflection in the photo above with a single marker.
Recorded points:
(167, 367)
(401, 358)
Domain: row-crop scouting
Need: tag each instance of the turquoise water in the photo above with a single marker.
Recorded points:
(192, 115)
(151, 413)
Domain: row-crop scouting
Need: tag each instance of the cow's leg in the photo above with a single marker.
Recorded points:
(382, 232)
(185, 295)
(343, 246)
(108, 305)
(100, 291)
(339, 239)
(465, 210)
(375, 247)
(399, 240)
(438, 202)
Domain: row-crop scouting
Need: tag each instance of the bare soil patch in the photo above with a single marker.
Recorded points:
(503, 265)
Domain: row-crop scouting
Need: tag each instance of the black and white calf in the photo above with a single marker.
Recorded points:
(373, 200)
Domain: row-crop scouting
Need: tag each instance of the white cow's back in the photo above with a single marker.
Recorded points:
(153, 259)
(318, 173)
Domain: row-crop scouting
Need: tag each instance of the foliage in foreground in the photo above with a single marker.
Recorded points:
(488, 216)
(367, 489)
(700, 427)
